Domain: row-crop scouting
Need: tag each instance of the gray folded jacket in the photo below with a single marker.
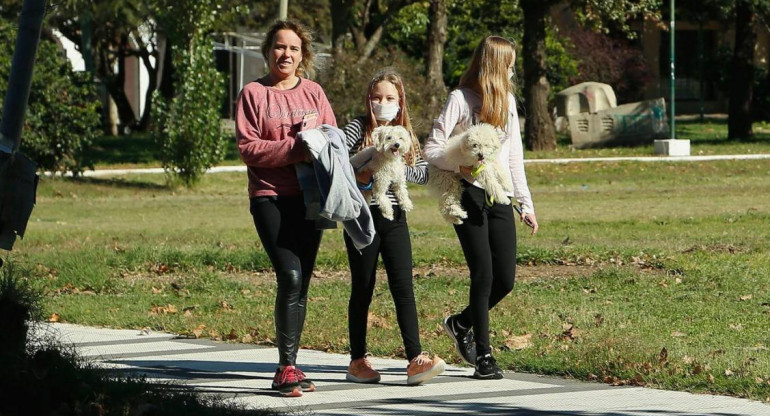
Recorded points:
(334, 180)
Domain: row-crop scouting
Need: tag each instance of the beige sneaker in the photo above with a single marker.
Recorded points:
(422, 368)
(361, 371)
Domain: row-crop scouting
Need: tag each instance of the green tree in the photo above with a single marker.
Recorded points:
(741, 76)
(539, 131)
(106, 33)
(187, 126)
(62, 116)
(362, 21)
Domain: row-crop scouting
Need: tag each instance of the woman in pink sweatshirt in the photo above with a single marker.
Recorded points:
(269, 113)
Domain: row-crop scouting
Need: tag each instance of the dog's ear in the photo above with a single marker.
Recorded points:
(377, 138)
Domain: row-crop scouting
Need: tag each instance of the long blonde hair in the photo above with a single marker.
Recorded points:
(306, 66)
(487, 74)
(402, 118)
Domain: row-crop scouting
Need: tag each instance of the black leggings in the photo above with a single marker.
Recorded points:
(292, 243)
(488, 240)
(392, 242)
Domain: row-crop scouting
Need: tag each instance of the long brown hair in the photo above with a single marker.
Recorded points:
(402, 118)
(306, 67)
(487, 74)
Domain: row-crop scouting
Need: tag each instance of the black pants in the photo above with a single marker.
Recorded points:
(392, 242)
(488, 240)
(292, 243)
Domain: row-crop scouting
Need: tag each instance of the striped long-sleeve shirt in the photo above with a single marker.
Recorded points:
(354, 140)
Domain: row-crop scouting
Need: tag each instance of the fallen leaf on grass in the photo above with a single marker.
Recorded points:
(199, 330)
(746, 297)
(677, 334)
(663, 357)
(569, 332)
(516, 343)
(163, 310)
(378, 322)
(232, 335)
(55, 317)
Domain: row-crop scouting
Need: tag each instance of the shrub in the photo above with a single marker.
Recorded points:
(187, 128)
(615, 62)
(345, 82)
(19, 306)
(62, 116)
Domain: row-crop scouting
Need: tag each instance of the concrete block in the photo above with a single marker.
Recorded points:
(672, 147)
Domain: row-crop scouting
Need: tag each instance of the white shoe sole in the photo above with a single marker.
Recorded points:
(423, 377)
(354, 379)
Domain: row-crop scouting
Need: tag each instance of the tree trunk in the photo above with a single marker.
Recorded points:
(436, 40)
(742, 73)
(340, 11)
(144, 121)
(539, 133)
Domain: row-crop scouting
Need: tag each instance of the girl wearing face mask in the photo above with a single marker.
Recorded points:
(386, 105)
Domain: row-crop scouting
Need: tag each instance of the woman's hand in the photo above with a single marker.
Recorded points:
(530, 219)
(466, 171)
(364, 177)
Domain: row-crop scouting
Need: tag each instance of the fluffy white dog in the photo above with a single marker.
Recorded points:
(387, 167)
(478, 148)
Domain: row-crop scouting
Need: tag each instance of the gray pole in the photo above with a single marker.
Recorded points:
(673, 75)
(20, 80)
(283, 10)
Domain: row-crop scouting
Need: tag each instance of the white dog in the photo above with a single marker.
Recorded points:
(387, 167)
(478, 148)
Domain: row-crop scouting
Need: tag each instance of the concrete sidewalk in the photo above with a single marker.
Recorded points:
(243, 373)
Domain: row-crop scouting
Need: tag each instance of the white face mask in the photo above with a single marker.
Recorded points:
(385, 112)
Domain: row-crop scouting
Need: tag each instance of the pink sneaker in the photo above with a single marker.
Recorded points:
(360, 371)
(305, 383)
(422, 368)
(287, 382)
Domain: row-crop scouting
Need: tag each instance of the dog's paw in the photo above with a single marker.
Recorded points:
(457, 211)
(387, 211)
(406, 205)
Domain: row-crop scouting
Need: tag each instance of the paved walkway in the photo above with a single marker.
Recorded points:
(243, 373)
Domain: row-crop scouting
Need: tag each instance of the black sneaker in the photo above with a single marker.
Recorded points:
(463, 338)
(486, 368)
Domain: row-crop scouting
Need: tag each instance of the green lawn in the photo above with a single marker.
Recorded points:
(655, 274)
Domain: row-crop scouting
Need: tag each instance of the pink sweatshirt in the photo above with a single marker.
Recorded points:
(266, 124)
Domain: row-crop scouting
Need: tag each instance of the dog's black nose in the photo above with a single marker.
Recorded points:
(481, 156)
(396, 145)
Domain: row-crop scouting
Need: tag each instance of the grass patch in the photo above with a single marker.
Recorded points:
(647, 274)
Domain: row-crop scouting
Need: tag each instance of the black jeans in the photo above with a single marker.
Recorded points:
(393, 243)
(292, 243)
(488, 240)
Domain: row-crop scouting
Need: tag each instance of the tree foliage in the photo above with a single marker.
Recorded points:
(62, 116)
(187, 127)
